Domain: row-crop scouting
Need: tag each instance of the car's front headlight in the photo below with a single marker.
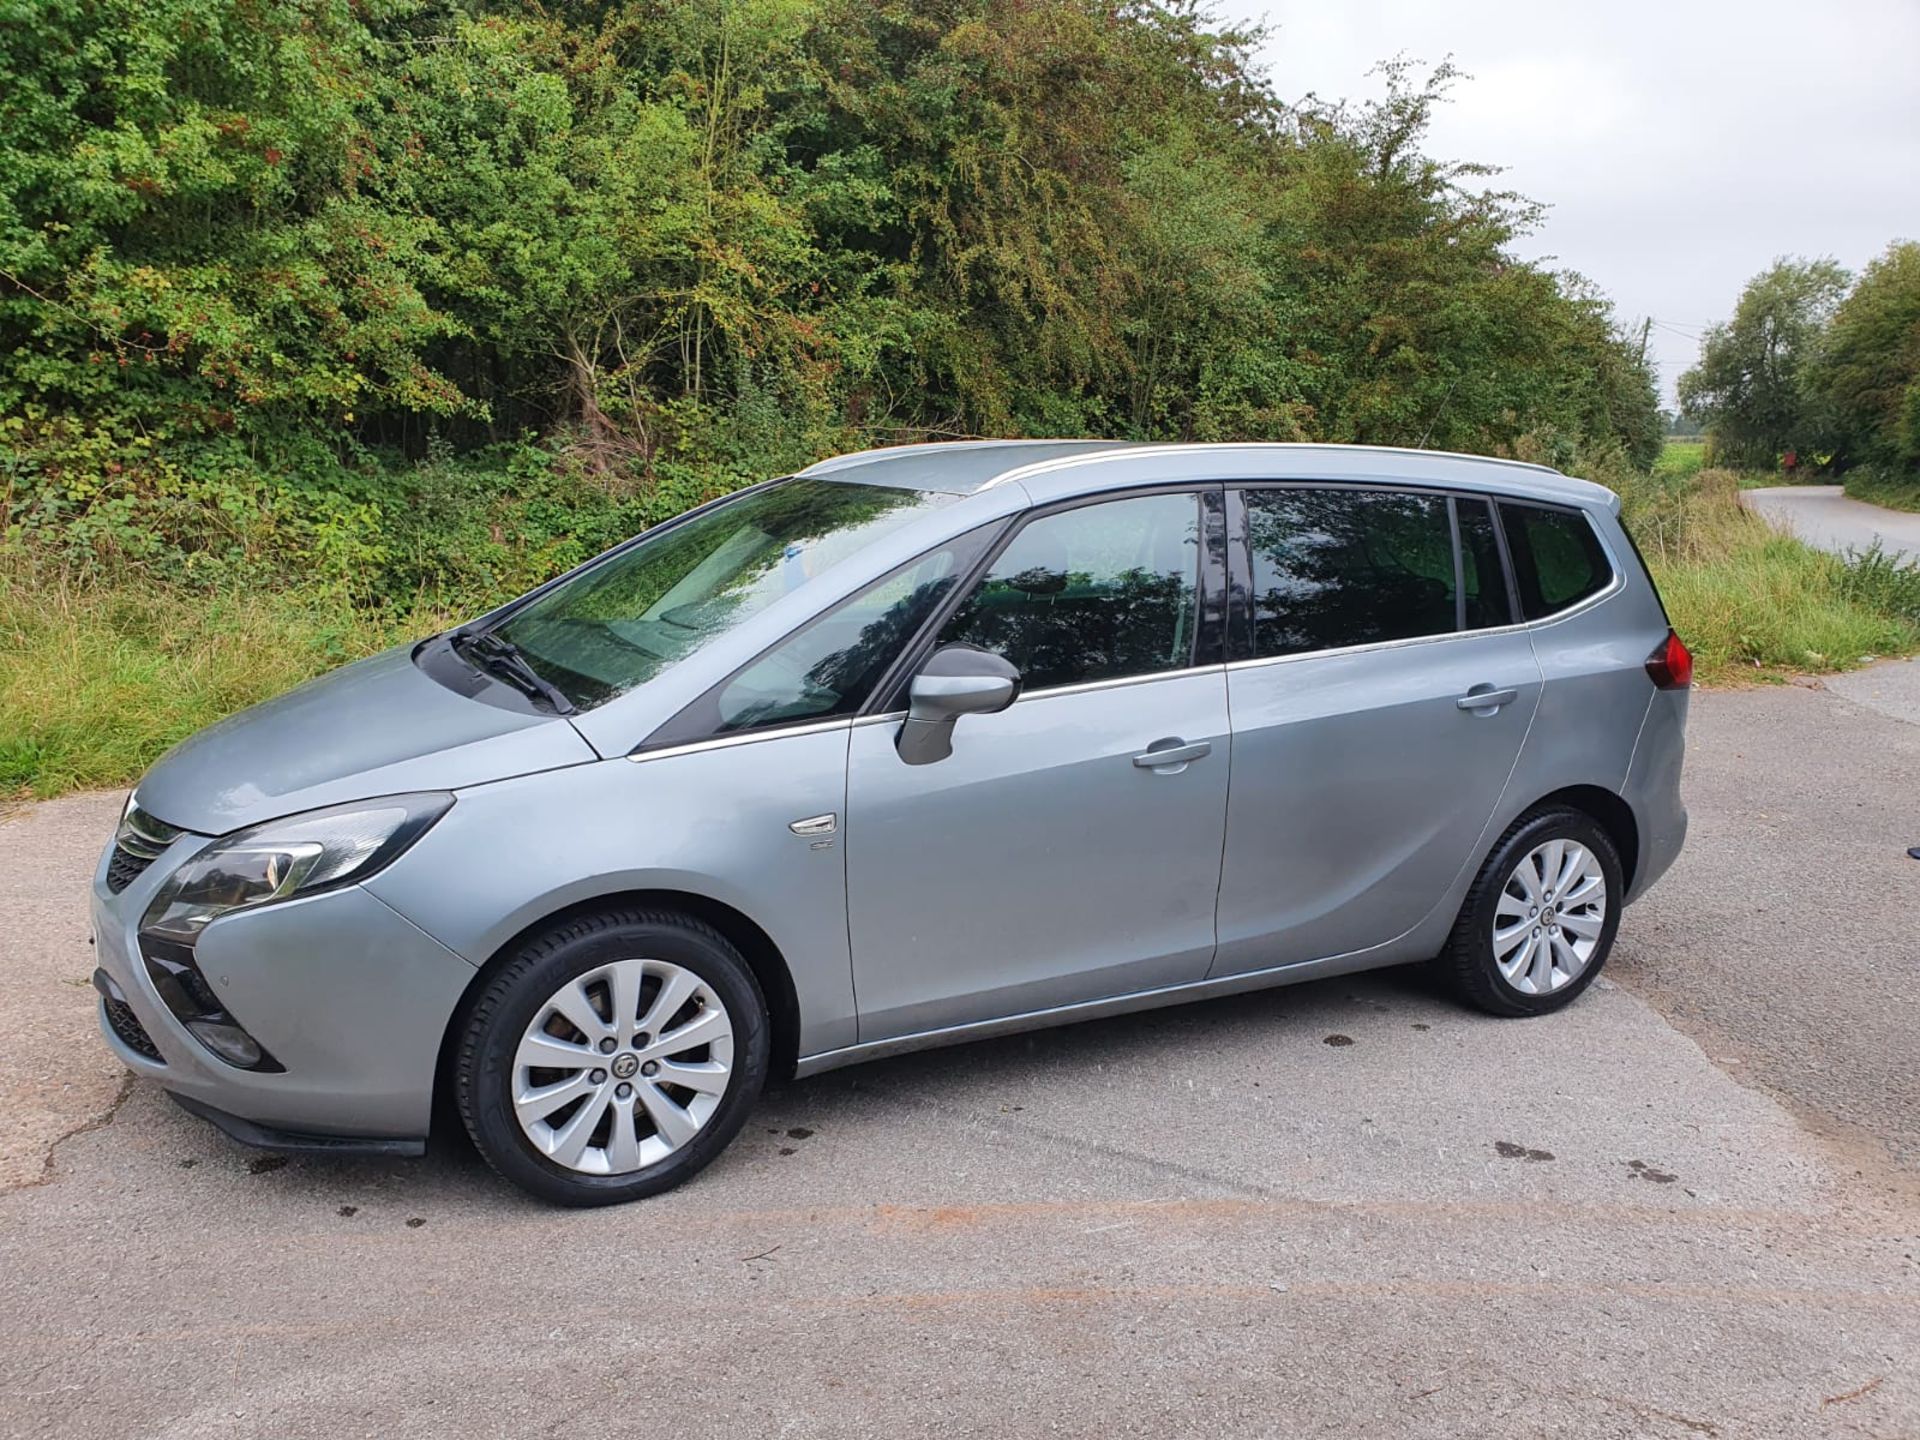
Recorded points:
(285, 858)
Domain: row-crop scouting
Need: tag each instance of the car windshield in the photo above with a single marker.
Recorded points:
(622, 621)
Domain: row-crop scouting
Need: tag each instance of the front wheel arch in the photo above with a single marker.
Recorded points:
(763, 957)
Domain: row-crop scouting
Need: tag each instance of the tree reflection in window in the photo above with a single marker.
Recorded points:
(626, 619)
(1096, 593)
(828, 668)
(1348, 567)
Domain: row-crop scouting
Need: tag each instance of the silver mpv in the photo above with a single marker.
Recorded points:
(916, 746)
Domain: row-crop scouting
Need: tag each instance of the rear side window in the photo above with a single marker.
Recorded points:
(1334, 568)
(1483, 579)
(1557, 559)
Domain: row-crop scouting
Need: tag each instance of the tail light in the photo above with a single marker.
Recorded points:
(1671, 664)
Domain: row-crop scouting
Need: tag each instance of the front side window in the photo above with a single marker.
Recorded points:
(619, 623)
(829, 668)
(1335, 568)
(1557, 559)
(1100, 592)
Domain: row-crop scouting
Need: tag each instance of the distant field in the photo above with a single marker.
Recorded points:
(1681, 458)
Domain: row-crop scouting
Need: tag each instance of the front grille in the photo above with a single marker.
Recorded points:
(124, 868)
(128, 1027)
(137, 844)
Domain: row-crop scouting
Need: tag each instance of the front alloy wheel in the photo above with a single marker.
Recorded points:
(622, 1066)
(612, 1057)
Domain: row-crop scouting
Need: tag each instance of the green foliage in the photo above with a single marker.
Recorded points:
(422, 296)
(1866, 373)
(1748, 386)
(1884, 485)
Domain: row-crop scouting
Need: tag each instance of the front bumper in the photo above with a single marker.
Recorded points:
(350, 997)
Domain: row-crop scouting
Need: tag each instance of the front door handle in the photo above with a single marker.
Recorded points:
(1170, 757)
(1484, 699)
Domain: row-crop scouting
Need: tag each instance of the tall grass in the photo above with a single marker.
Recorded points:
(1755, 604)
(1878, 486)
(96, 682)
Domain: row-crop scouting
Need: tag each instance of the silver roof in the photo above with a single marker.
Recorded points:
(1052, 469)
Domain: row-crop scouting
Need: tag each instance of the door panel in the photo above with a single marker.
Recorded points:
(1360, 786)
(1038, 865)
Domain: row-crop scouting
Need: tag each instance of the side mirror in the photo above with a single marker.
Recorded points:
(957, 680)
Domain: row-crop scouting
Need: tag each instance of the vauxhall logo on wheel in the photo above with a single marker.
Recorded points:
(625, 1065)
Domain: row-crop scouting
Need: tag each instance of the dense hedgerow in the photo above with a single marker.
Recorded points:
(440, 293)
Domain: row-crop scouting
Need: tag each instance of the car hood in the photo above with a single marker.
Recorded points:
(377, 727)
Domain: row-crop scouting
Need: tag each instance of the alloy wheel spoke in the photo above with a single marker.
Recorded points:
(1570, 867)
(676, 988)
(1548, 859)
(1540, 974)
(706, 1027)
(1592, 886)
(1516, 968)
(570, 1140)
(542, 1051)
(1564, 956)
(572, 1003)
(1528, 880)
(623, 1140)
(675, 1125)
(709, 1077)
(534, 1104)
(1505, 940)
(1586, 926)
(623, 988)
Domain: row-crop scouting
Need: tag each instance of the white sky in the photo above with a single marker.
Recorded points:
(1681, 144)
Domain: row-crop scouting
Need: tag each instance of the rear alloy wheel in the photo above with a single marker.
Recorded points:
(1540, 919)
(613, 1057)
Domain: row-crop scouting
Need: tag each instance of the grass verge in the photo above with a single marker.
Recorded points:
(1883, 487)
(96, 682)
(1754, 604)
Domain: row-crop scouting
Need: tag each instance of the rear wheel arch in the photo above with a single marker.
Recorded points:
(756, 947)
(1608, 811)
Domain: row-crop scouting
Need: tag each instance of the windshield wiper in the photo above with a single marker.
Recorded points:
(498, 655)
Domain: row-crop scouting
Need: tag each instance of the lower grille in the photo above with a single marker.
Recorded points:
(124, 868)
(128, 1027)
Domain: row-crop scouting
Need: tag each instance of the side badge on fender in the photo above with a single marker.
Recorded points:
(816, 828)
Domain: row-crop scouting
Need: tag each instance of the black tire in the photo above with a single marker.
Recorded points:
(1468, 965)
(483, 1064)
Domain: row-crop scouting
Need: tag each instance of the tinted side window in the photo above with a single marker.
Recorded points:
(1348, 567)
(1095, 593)
(1483, 578)
(828, 668)
(1557, 559)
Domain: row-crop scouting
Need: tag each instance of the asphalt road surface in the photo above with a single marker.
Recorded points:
(1822, 516)
(1684, 1207)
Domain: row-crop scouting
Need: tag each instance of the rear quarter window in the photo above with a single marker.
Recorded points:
(1558, 560)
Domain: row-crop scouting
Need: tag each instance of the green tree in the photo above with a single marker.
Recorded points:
(1747, 387)
(1865, 374)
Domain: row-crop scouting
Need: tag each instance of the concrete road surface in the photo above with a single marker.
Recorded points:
(1822, 516)
(1681, 1208)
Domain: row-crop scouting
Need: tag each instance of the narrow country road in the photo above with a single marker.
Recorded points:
(1682, 1207)
(1823, 517)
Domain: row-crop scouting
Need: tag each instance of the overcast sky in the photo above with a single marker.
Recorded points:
(1681, 144)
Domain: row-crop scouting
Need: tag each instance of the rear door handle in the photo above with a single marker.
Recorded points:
(1484, 699)
(1172, 755)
